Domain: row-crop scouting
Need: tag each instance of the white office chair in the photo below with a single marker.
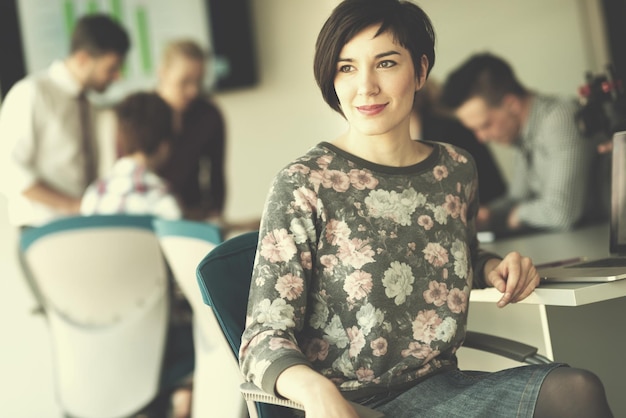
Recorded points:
(216, 391)
(103, 280)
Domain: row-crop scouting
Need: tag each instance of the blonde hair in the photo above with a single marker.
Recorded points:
(185, 48)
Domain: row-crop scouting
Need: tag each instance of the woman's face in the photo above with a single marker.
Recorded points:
(375, 83)
(180, 81)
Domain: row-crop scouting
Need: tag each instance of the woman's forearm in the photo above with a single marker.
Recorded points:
(319, 396)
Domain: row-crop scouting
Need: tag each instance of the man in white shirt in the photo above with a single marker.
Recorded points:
(47, 148)
(47, 143)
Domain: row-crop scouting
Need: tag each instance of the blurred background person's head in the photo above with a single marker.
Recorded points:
(145, 128)
(487, 98)
(97, 51)
(181, 73)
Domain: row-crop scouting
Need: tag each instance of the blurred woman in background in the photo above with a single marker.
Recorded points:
(195, 169)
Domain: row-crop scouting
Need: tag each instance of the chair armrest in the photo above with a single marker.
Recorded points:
(504, 347)
(251, 392)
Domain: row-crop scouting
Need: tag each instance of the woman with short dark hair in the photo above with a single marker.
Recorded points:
(367, 252)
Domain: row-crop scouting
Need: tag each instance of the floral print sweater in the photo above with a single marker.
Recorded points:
(363, 271)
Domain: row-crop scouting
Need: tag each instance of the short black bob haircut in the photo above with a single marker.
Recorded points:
(405, 21)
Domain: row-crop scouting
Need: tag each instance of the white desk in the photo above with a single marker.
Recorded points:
(581, 324)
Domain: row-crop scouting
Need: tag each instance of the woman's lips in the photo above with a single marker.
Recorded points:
(370, 110)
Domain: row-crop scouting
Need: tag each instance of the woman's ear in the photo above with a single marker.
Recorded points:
(420, 73)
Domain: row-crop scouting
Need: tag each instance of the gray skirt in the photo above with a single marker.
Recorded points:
(507, 393)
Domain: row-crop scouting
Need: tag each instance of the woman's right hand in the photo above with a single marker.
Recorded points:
(319, 396)
(332, 405)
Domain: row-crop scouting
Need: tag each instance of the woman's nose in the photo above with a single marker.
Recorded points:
(368, 83)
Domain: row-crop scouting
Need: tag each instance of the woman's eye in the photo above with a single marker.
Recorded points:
(345, 68)
(386, 64)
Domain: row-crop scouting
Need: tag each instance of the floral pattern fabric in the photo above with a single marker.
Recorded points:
(364, 271)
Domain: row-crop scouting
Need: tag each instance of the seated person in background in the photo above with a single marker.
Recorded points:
(429, 121)
(550, 188)
(144, 134)
(132, 187)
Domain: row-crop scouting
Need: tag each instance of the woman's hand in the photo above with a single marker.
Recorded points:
(514, 276)
(319, 396)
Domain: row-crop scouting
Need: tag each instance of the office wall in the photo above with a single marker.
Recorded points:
(551, 43)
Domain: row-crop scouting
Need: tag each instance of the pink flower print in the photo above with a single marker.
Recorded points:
(278, 246)
(452, 152)
(337, 232)
(357, 341)
(464, 213)
(289, 286)
(361, 179)
(435, 254)
(358, 285)
(425, 326)
(298, 168)
(379, 346)
(436, 294)
(329, 262)
(356, 253)
(279, 343)
(455, 155)
(452, 206)
(425, 221)
(457, 301)
(316, 178)
(324, 160)
(304, 199)
(336, 179)
(365, 375)
(440, 172)
(417, 350)
(316, 349)
(305, 260)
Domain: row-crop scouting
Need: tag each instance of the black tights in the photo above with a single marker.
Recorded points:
(572, 393)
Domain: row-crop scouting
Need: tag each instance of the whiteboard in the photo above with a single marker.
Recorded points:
(46, 28)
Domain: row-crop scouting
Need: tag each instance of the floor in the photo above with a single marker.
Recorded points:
(25, 356)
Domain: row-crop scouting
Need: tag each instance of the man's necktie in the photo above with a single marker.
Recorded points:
(87, 142)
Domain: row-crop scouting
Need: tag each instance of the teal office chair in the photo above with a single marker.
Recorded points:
(224, 278)
(103, 282)
(184, 244)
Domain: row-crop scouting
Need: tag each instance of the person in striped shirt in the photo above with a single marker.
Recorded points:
(551, 184)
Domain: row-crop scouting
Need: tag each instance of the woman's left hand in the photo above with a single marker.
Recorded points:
(514, 276)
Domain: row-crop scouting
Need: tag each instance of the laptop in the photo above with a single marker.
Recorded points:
(613, 267)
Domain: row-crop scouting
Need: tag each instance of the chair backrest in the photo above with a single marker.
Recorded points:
(104, 284)
(184, 244)
(224, 279)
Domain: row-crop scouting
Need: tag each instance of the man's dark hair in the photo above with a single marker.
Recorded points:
(482, 75)
(144, 122)
(99, 34)
(405, 21)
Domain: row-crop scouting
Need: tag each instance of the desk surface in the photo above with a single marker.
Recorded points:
(591, 242)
